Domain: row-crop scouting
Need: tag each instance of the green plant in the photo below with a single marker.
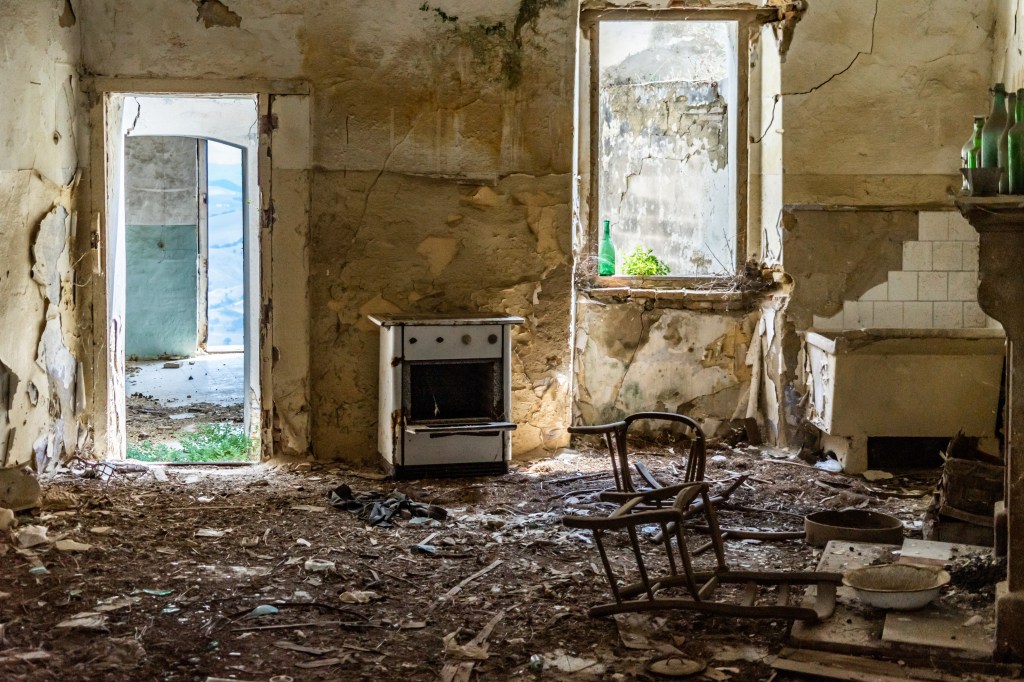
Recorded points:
(642, 261)
(211, 443)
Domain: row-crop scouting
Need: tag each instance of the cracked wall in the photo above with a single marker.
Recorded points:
(41, 396)
(639, 355)
(439, 174)
(877, 106)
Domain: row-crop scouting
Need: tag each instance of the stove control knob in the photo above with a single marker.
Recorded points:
(466, 338)
(413, 339)
(493, 338)
(440, 339)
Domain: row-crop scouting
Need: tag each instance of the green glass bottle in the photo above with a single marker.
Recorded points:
(993, 128)
(1011, 119)
(1015, 148)
(970, 154)
(606, 253)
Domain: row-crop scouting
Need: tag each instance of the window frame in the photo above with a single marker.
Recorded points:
(748, 23)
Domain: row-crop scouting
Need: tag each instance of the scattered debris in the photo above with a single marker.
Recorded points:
(379, 510)
(67, 545)
(31, 536)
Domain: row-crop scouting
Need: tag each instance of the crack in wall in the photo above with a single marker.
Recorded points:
(777, 97)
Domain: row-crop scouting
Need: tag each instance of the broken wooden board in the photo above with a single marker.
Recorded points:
(932, 553)
(942, 627)
(861, 669)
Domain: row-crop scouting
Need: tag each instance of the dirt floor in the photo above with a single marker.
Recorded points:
(248, 573)
(149, 419)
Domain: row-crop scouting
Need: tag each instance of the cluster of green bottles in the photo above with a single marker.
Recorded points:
(998, 141)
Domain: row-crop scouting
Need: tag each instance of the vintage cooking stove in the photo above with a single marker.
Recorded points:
(445, 394)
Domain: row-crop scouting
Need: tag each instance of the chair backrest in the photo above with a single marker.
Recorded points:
(695, 458)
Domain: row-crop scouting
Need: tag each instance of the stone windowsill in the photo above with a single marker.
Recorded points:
(686, 299)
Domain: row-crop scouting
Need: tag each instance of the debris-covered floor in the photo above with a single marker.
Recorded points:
(248, 573)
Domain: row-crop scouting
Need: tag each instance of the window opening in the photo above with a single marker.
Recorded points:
(668, 93)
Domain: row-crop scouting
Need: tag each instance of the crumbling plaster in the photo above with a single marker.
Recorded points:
(39, 345)
(637, 355)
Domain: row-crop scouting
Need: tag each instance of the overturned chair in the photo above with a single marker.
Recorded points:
(677, 571)
(615, 436)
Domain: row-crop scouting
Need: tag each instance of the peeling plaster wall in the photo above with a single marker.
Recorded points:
(639, 356)
(877, 100)
(439, 172)
(889, 128)
(41, 399)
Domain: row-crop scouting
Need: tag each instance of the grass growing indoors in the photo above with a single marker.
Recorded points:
(211, 443)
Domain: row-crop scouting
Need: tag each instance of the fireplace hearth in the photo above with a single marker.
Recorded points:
(445, 394)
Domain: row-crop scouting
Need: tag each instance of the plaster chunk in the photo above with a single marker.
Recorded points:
(47, 251)
(485, 197)
(439, 252)
(216, 13)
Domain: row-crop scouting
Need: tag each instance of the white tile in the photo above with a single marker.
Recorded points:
(858, 314)
(963, 286)
(902, 286)
(933, 226)
(949, 315)
(888, 314)
(917, 256)
(917, 315)
(947, 255)
(877, 293)
(960, 229)
(971, 256)
(829, 323)
(974, 316)
(933, 286)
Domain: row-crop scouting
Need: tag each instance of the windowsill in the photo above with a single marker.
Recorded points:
(672, 292)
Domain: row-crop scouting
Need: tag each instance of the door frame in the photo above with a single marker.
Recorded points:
(108, 357)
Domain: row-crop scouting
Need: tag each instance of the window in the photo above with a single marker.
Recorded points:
(667, 138)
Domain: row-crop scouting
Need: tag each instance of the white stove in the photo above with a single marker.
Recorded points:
(445, 394)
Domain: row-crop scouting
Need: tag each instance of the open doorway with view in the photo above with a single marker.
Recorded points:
(188, 168)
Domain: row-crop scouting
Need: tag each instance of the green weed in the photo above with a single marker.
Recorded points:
(210, 443)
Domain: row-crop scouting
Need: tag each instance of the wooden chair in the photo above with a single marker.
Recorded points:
(615, 435)
(644, 594)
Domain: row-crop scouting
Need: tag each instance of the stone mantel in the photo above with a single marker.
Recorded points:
(1000, 224)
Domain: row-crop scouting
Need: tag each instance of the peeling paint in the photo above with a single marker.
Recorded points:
(67, 18)
(216, 13)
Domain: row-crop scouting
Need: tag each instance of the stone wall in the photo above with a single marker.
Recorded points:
(41, 396)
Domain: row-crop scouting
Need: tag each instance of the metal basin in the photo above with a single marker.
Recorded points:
(896, 586)
(854, 525)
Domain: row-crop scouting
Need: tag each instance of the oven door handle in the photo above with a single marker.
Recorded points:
(489, 429)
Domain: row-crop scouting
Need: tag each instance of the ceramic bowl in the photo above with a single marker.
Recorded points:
(900, 587)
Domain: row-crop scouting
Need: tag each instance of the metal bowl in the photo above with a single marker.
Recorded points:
(900, 587)
(852, 525)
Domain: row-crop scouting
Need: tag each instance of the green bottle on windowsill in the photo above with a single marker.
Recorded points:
(606, 252)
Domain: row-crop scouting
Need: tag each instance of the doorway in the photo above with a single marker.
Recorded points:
(183, 276)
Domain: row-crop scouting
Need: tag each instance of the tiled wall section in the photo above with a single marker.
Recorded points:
(936, 289)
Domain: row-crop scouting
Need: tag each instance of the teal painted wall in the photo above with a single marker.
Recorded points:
(161, 307)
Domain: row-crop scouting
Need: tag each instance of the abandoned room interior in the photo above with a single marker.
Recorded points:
(512, 339)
